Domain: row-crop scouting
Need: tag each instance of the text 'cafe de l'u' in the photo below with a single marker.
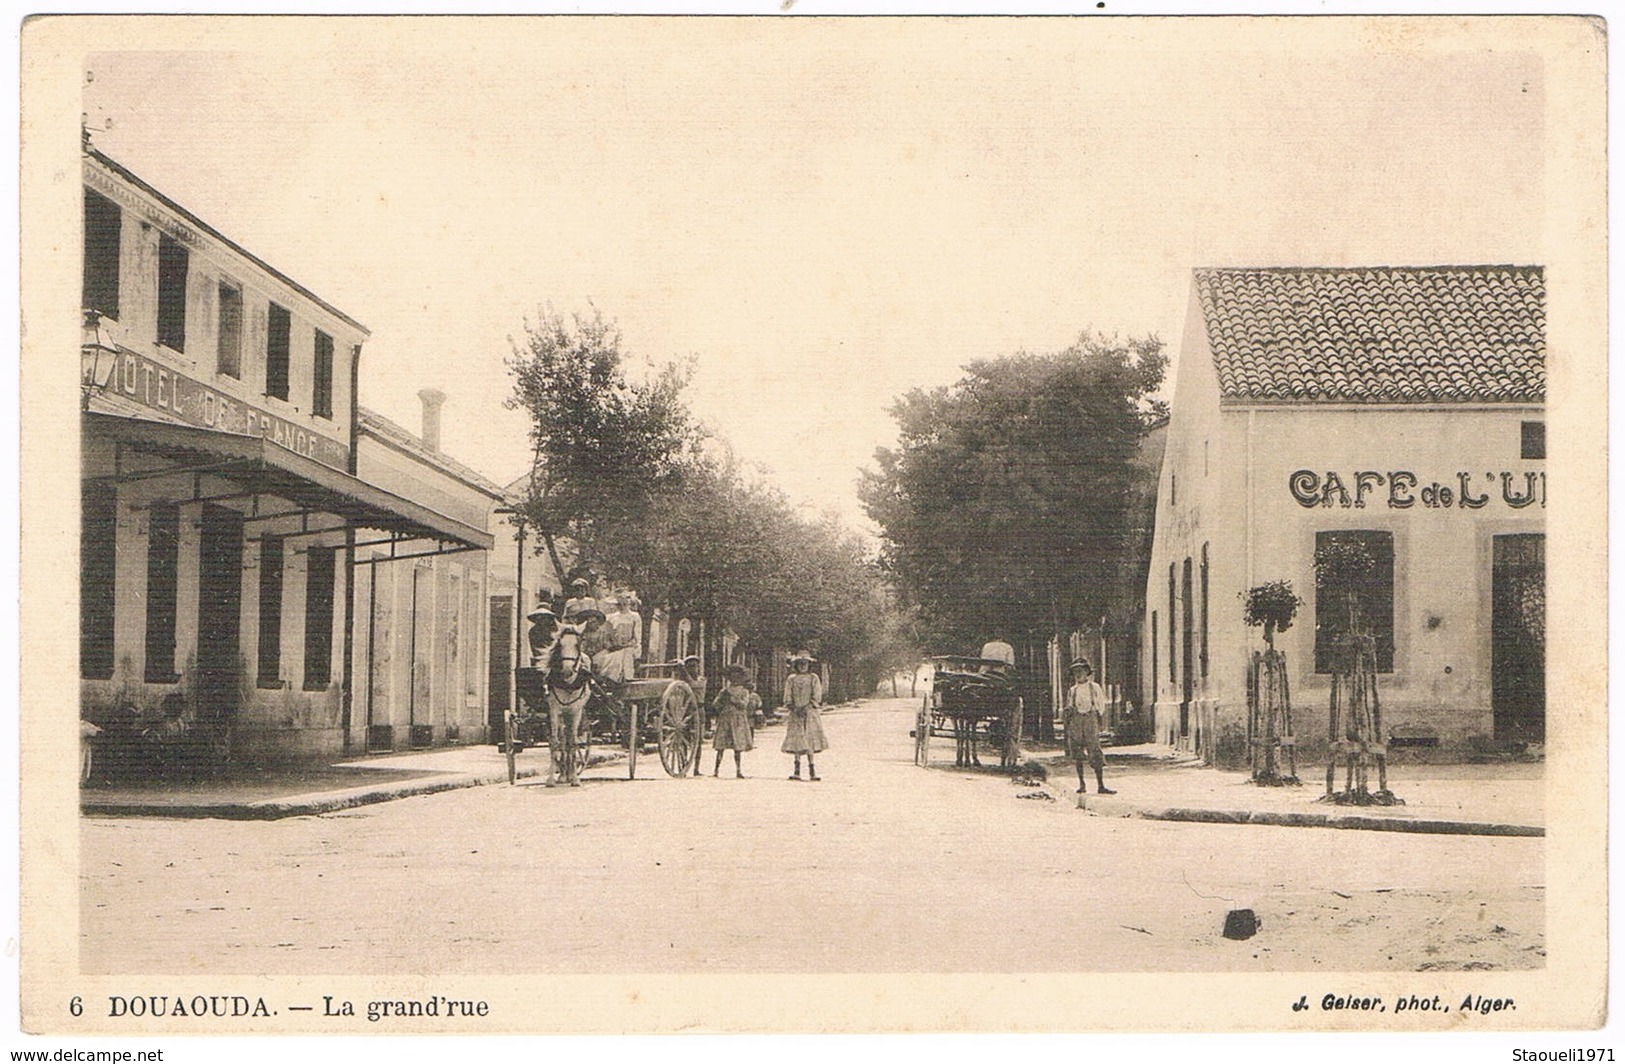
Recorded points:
(1399, 411)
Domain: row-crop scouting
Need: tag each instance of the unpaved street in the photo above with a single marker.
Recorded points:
(882, 866)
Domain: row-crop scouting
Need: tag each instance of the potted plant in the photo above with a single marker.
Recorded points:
(1273, 606)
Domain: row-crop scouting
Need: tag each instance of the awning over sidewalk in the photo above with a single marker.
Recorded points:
(262, 467)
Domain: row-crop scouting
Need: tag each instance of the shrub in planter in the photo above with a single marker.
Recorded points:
(1272, 605)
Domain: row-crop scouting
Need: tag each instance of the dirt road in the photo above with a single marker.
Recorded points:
(882, 866)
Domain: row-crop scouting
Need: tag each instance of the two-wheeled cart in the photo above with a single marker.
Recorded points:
(662, 708)
(972, 701)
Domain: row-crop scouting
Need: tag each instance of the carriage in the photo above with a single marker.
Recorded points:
(971, 700)
(661, 708)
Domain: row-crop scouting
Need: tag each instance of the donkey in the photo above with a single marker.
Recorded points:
(569, 686)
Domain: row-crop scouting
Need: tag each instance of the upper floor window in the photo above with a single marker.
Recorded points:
(278, 327)
(322, 400)
(229, 360)
(1533, 443)
(102, 229)
(173, 263)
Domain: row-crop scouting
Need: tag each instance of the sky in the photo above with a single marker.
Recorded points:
(824, 214)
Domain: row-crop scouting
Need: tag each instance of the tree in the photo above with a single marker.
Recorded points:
(624, 474)
(1004, 507)
(606, 448)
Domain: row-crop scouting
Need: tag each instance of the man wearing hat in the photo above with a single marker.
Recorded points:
(1082, 715)
(544, 632)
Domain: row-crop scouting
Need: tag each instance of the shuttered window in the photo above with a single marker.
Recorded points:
(98, 570)
(270, 650)
(163, 565)
(102, 231)
(279, 326)
(322, 399)
(173, 264)
(319, 568)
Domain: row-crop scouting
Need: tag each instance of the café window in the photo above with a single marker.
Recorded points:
(102, 228)
(322, 398)
(279, 325)
(1533, 442)
(173, 263)
(163, 578)
(319, 567)
(270, 651)
(229, 346)
(1354, 593)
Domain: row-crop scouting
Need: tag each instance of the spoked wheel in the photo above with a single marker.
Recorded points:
(632, 740)
(922, 732)
(510, 746)
(681, 728)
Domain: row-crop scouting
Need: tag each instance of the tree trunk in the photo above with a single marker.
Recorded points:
(553, 556)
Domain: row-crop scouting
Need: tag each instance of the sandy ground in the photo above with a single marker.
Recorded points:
(882, 866)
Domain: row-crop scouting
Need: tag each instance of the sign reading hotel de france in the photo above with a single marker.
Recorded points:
(155, 385)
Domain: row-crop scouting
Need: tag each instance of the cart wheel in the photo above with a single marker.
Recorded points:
(632, 740)
(510, 746)
(680, 728)
(922, 733)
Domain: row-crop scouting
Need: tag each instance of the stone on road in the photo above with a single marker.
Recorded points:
(882, 866)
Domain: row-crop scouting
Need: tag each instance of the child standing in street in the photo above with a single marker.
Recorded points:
(1085, 707)
(733, 719)
(804, 698)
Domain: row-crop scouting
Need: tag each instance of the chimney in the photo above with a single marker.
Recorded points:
(433, 399)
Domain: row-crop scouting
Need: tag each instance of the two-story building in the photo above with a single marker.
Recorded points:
(1396, 410)
(221, 502)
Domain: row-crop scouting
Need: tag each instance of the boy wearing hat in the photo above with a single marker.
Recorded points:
(1082, 715)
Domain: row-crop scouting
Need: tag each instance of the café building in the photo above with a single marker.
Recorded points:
(1398, 409)
(221, 509)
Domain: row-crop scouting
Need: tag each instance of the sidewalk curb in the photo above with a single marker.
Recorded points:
(1331, 820)
(303, 805)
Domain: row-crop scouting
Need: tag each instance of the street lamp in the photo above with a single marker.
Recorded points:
(98, 358)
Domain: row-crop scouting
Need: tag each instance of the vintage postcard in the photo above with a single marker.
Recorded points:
(803, 524)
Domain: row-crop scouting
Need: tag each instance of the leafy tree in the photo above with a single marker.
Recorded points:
(606, 448)
(626, 484)
(1005, 506)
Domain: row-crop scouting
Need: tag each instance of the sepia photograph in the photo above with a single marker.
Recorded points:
(797, 524)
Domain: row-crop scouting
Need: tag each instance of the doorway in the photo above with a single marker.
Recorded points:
(1518, 636)
(500, 677)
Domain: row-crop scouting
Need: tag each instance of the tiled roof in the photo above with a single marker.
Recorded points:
(383, 428)
(1378, 334)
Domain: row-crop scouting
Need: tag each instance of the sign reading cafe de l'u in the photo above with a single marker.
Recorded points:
(1404, 489)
